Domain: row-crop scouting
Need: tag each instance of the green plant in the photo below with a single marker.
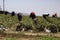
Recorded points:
(9, 21)
(10, 38)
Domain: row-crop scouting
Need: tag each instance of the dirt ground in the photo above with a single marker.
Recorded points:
(25, 35)
(14, 35)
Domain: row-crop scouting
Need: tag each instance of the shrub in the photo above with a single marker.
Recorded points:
(40, 28)
(28, 27)
(58, 28)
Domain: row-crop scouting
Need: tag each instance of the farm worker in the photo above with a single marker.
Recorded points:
(19, 16)
(54, 15)
(45, 15)
(13, 13)
(6, 12)
(32, 15)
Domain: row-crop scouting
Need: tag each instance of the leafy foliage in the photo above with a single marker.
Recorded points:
(10, 21)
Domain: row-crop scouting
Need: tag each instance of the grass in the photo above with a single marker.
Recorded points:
(47, 38)
(10, 21)
(34, 38)
(10, 38)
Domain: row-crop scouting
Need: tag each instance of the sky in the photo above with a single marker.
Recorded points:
(27, 6)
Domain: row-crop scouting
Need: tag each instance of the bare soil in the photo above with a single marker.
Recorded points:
(25, 35)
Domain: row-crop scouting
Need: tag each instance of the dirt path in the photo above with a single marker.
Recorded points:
(18, 34)
(25, 35)
(44, 34)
